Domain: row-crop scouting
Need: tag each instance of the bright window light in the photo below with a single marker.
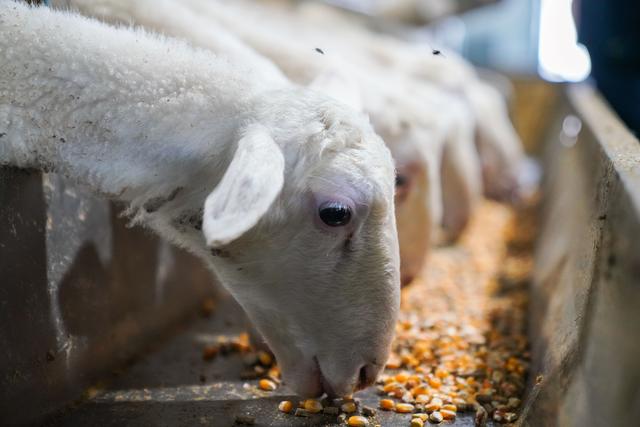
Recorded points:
(560, 56)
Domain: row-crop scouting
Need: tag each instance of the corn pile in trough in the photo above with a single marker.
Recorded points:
(461, 341)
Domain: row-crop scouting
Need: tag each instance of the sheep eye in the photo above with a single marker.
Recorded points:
(334, 214)
(401, 180)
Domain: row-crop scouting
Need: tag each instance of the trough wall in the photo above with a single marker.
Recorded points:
(585, 313)
(80, 291)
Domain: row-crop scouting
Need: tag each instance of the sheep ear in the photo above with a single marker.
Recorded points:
(339, 85)
(250, 185)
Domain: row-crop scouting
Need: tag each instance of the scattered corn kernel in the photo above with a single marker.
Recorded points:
(285, 406)
(404, 408)
(312, 406)
(241, 343)
(393, 362)
(436, 417)
(402, 377)
(358, 421)
(434, 405)
(265, 358)
(423, 398)
(441, 373)
(408, 398)
(388, 388)
(387, 404)
(434, 382)
(448, 415)
(419, 390)
(450, 407)
(417, 422)
(348, 407)
(266, 385)
(274, 372)
(422, 416)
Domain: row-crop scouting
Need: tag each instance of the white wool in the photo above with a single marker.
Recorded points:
(328, 74)
(422, 125)
(183, 24)
(162, 127)
(499, 147)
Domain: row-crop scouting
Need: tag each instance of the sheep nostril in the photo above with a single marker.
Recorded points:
(365, 377)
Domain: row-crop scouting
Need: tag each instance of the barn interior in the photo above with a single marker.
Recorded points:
(528, 318)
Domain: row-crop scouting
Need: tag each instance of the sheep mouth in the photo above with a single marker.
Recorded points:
(325, 386)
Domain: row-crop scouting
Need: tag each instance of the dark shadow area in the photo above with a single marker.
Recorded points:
(27, 337)
(83, 300)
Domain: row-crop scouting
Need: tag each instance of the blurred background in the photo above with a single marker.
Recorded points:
(554, 40)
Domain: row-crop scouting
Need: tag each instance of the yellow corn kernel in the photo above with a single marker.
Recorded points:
(448, 415)
(285, 406)
(415, 378)
(358, 421)
(422, 416)
(267, 385)
(312, 406)
(388, 388)
(265, 358)
(404, 408)
(402, 377)
(459, 402)
(241, 343)
(409, 360)
(423, 398)
(387, 404)
(417, 422)
(348, 407)
(434, 405)
(416, 391)
(450, 407)
(394, 363)
(434, 382)
(441, 373)
(274, 372)
(436, 417)
(398, 392)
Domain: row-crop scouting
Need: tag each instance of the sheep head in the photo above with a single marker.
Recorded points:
(302, 232)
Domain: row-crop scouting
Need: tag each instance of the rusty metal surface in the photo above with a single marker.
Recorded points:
(79, 291)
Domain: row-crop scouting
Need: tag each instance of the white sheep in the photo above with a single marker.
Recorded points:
(285, 193)
(326, 75)
(500, 148)
(412, 118)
